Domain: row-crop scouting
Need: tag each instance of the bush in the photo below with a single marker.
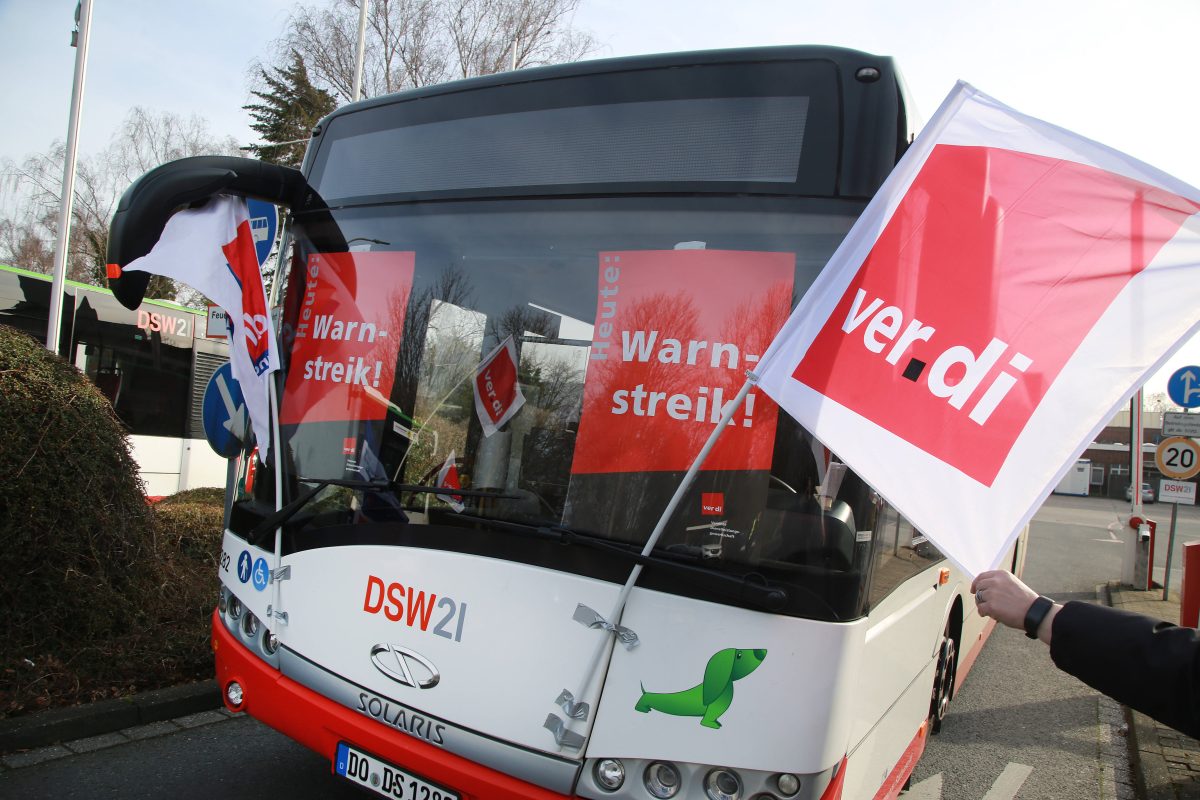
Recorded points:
(102, 594)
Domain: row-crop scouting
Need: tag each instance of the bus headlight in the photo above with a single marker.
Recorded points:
(723, 784)
(250, 626)
(662, 779)
(235, 607)
(609, 774)
(270, 642)
(223, 600)
(234, 694)
(788, 784)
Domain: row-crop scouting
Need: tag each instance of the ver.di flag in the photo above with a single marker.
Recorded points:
(498, 395)
(1002, 296)
(448, 479)
(211, 249)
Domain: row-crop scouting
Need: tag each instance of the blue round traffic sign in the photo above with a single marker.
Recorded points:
(1184, 387)
(264, 221)
(226, 419)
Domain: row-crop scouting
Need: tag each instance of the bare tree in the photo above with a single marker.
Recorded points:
(29, 228)
(1159, 401)
(413, 43)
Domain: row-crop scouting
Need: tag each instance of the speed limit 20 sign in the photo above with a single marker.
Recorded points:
(1178, 457)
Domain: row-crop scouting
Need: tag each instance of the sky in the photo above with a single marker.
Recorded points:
(1123, 73)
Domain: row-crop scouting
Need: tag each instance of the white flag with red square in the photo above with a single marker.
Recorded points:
(448, 478)
(498, 395)
(1002, 296)
(211, 249)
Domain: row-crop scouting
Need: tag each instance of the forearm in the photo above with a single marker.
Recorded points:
(1148, 665)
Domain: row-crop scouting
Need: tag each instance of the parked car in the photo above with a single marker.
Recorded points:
(1147, 493)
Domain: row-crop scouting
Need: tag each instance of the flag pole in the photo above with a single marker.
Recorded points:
(79, 40)
(360, 51)
(689, 477)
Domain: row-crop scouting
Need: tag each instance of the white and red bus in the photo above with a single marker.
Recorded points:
(541, 288)
(152, 363)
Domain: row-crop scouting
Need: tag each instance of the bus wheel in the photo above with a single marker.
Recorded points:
(943, 681)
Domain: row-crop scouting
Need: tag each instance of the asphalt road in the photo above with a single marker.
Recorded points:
(1016, 708)
(1019, 727)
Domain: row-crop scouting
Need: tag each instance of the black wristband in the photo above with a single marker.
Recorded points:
(1036, 613)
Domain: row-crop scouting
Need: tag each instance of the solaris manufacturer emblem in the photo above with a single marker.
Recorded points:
(398, 662)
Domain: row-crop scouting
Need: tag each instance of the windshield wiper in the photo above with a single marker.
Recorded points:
(751, 588)
(270, 523)
(282, 515)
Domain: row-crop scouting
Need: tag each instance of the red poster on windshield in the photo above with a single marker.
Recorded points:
(347, 337)
(675, 332)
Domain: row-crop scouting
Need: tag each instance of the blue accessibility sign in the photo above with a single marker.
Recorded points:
(264, 222)
(224, 413)
(244, 566)
(261, 574)
(1184, 387)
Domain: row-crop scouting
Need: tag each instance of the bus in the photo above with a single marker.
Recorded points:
(152, 363)
(515, 307)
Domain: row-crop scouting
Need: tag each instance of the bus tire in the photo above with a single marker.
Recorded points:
(943, 681)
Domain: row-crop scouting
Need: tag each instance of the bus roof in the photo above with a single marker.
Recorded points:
(91, 288)
(841, 56)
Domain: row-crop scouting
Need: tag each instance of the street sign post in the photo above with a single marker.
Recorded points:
(1175, 493)
(1178, 457)
(1180, 423)
(264, 222)
(1184, 387)
(217, 326)
(224, 413)
(1179, 492)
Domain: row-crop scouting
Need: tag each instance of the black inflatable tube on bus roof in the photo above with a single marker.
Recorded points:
(151, 200)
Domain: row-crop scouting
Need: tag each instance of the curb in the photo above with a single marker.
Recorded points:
(106, 716)
(1154, 781)
(1135, 731)
(1151, 779)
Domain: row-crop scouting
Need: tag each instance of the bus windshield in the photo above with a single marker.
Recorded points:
(554, 329)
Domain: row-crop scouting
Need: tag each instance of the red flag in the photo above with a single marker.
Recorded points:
(211, 249)
(1002, 296)
(498, 394)
(448, 478)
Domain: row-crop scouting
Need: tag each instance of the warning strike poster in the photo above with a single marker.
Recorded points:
(347, 335)
(675, 332)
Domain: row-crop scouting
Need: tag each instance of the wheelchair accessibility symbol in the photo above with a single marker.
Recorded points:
(261, 574)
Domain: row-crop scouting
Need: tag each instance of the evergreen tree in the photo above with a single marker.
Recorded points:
(290, 108)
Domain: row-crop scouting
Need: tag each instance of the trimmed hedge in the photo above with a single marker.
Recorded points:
(102, 594)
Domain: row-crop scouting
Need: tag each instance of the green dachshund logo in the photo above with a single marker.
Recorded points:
(712, 697)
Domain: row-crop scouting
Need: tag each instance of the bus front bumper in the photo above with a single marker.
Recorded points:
(321, 725)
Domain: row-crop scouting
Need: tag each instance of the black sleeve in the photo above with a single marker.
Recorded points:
(1148, 665)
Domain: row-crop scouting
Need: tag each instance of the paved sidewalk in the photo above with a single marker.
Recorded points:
(1166, 763)
(46, 735)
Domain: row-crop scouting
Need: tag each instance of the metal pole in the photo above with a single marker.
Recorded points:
(1170, 549)
(1135, 451)
(362, 49)
(614, 616)
(83, 17)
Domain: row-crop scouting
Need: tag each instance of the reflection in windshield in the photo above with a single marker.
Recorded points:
(625, 348)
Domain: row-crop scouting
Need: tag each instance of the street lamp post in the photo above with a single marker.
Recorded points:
(79, 40)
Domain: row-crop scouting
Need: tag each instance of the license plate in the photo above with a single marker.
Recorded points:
(385, 779)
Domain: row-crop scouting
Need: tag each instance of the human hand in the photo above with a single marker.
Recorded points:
(1002, 596)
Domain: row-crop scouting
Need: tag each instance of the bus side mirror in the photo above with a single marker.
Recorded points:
(151, 200)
